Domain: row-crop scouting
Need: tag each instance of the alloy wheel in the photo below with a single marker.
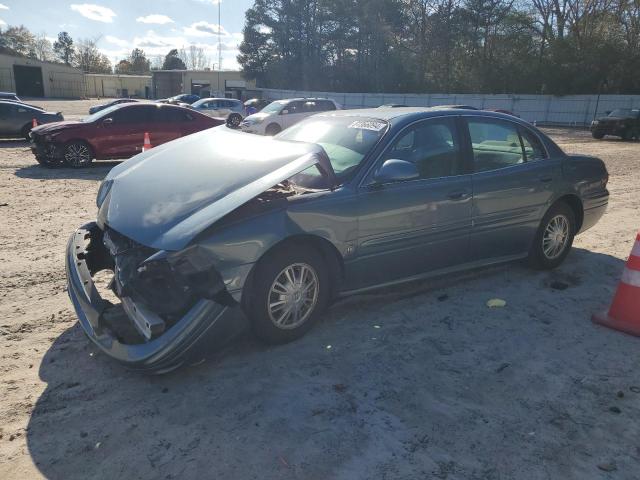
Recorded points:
(77, 155)
(293, 296)
(555, 237)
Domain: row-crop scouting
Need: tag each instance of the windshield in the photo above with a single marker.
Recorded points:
(346, 140)
(102, 113)
(200, 102)
(624, 112)
(274, 107)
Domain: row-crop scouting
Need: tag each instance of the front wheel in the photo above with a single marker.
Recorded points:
(597, 135)
(78, 154)
(554, 237)
(290, 288)
(273, 129)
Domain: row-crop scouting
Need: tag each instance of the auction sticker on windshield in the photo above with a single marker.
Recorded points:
(368, 125)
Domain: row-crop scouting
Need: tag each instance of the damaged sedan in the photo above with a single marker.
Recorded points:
(221, 231)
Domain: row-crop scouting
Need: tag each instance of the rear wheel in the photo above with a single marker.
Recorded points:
(26, 130)
(290, 288)
(234, 120)
(273, 129)
(78, 154)
(554, 237)
(597, 135)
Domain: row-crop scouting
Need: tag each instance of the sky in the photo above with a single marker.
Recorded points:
(155, 26)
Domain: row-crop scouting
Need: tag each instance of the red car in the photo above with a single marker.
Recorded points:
(115, 132)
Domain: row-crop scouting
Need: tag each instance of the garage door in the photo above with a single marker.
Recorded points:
(28, 81)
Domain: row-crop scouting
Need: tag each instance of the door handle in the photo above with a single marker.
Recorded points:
(457, 195)
(546, 179)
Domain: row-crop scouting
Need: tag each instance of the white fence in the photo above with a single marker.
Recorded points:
(576, 110)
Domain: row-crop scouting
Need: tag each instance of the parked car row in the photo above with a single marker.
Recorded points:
(221, 231)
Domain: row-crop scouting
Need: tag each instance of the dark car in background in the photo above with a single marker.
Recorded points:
(97, 108)
(114, 133)
(16, 118)
(621, 122)
(9, 96)
(223, 230)
(256, 104)
(187, 98)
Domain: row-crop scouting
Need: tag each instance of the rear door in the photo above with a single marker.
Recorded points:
(412, 227)
(513, 183)
(123, 136)
(171, 123)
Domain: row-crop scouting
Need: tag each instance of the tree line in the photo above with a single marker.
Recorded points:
(466, 46)
(85, 54)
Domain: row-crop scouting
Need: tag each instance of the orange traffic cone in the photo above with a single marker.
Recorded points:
(624, 313)
(34, 123)
(147, 142)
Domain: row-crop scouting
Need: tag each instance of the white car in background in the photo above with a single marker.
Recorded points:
(228, 108)
(281, 114)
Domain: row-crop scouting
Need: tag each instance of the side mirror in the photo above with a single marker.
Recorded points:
(395, 170)
(284, 112)
(107, 121)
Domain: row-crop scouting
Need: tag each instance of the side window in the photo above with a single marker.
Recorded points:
(324, 106)
(294, 107)
(432, 146)
(310, 107)
(532, 148)
(171, 115)
(495, 144)
(134, 115)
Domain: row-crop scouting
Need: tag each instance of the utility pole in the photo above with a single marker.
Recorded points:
(219, 49)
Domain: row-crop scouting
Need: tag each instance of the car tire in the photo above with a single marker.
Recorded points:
(273, 129)
(294, 280)
(234, 120)
(627, 135)
(77, 154)
(554, 237)
(597, 135)
(26, 130)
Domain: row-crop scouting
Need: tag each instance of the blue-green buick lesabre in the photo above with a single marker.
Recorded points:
(221, 230)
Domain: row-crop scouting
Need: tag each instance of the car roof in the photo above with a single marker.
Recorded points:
(219, 98)
(301, 99)
(409, 114)
(8, 93)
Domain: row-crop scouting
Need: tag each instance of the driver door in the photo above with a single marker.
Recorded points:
(407, 228)
(123, 135)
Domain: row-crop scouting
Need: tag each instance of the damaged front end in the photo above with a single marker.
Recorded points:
(173, 306)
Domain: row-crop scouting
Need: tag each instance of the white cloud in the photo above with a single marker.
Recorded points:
(2, 22)
(94, 12)
(116, 41)
(204, 29)
(155, 18)
(3, 7)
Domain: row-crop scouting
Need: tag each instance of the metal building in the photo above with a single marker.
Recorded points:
(206, 83)
(32, 78)
(119, 86)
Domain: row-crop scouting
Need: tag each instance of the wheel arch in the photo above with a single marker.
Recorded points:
(574, 202)
(327, 250)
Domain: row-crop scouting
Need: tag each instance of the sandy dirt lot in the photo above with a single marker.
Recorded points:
(420, 381)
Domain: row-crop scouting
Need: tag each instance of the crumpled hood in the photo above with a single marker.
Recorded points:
(162, 198)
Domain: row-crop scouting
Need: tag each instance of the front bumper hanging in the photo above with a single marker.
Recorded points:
(207, 325)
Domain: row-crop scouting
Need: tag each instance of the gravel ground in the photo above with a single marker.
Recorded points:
(419, 381)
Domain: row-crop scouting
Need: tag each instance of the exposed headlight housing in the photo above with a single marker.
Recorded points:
(103, 191)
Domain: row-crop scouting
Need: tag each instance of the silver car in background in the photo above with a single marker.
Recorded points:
(228, 108)
(281, 114)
